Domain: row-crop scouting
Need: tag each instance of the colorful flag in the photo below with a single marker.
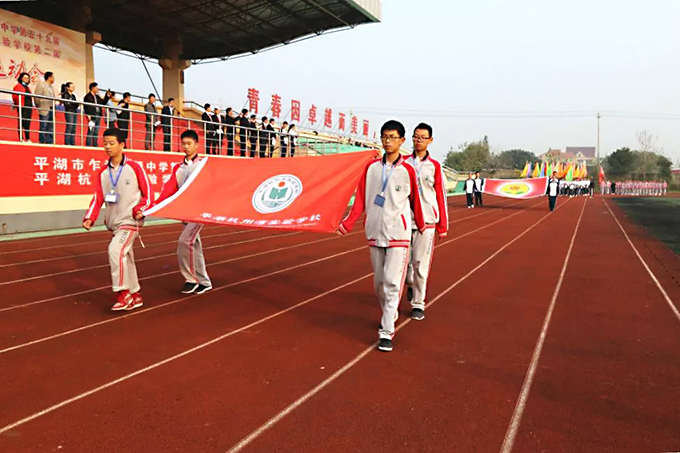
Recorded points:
(525, 171)
(537, 170)
(601, 177)
(529, 171)
(516, 188)
(302, 194)
(570, 173)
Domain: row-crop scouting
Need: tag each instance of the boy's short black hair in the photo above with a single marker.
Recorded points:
(114, 132)
(48, 74)
(425, 127)
(170, 100)
(393, 125)
(206, 106)
(189, 134)
(93, 84)
(228, 110)
(244, 112)
(151, 95)
(126, 95)
(264, 118)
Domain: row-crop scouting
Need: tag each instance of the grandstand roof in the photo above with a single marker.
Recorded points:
(207, 29)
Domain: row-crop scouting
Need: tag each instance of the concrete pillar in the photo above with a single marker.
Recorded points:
(91, 38)
(173, 80)
(173, 71)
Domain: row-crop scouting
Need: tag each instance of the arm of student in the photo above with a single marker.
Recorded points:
(144, 188)
(414, 197)
(440, 191)
(170, 187)
(357, 208)
(96, 203)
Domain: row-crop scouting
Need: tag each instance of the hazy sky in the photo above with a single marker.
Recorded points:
(529, 74)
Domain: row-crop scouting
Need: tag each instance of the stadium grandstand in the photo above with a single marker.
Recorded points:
(59, 36)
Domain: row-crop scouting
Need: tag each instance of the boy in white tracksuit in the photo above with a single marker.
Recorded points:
(123, 186)
(469, 189)
(189, 248)
(388, 192)
(432, 190)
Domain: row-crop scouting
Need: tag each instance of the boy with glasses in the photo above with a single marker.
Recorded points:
(388, 192)
(432, 191)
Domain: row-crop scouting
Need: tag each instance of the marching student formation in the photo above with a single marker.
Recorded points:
(404, 198)
(644, 188)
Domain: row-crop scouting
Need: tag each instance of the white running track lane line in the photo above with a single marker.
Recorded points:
(520, 406)
(665, 295)
(88, 326)
(42, 301)
(329, 380)
(100, 251)
(233, 332)
(148, 258)
(103, 240)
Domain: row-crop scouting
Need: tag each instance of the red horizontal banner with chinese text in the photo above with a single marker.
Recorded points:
(516, 188)
(305, 193)
(35, 170)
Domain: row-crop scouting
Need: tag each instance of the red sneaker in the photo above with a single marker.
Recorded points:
(136, 301)
(123, 299)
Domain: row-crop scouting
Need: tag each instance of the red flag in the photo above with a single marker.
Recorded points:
(304, 194)
(601, 176)
(516, 188)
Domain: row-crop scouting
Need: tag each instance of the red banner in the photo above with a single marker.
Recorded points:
(516, 188)
(34, 170)
(305, 193)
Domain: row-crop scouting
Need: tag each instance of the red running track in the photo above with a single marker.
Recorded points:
(280, 356)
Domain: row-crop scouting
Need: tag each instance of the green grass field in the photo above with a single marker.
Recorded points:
(660, 216)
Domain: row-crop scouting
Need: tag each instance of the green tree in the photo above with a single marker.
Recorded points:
(515, 159)
(472, 156)
(621, 163)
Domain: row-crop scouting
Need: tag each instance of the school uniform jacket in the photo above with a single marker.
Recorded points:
(134, 195)
(479, 185)
(390, 225)
(553, 188)
(180, 173)
(469, 186)
(432, 192)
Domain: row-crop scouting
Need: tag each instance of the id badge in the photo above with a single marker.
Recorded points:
(111, 198)
(379, 200)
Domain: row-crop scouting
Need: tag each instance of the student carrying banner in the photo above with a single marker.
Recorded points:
(432, 190)
(388, 192)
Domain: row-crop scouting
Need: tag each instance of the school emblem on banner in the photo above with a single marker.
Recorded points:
(276, 193)
(514, 188)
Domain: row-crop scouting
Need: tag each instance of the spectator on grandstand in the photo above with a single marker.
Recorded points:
(252, 135)
(209, 130)
(111, 113)
(271, 139)
(93, 111)
(124, 116)
(263, 136)
(167, 113)
(230, 128)
(70, 112)
(284, 139)
(292, 134)
(243, 125)
(46, 108)
(24, 106)
(217, 119)
(150, 122)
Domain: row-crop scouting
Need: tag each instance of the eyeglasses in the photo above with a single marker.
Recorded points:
(419, 138)
(391, 138)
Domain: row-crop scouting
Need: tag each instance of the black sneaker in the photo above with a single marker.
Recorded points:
(201, 289)
(417, 314)
(189, 288)
(385, 345)
(409, 293)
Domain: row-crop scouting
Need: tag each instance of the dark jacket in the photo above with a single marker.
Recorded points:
(69, 106)
(91, 110)
(166, 111)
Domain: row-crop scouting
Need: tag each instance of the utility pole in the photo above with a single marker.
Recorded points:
(598, 142)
